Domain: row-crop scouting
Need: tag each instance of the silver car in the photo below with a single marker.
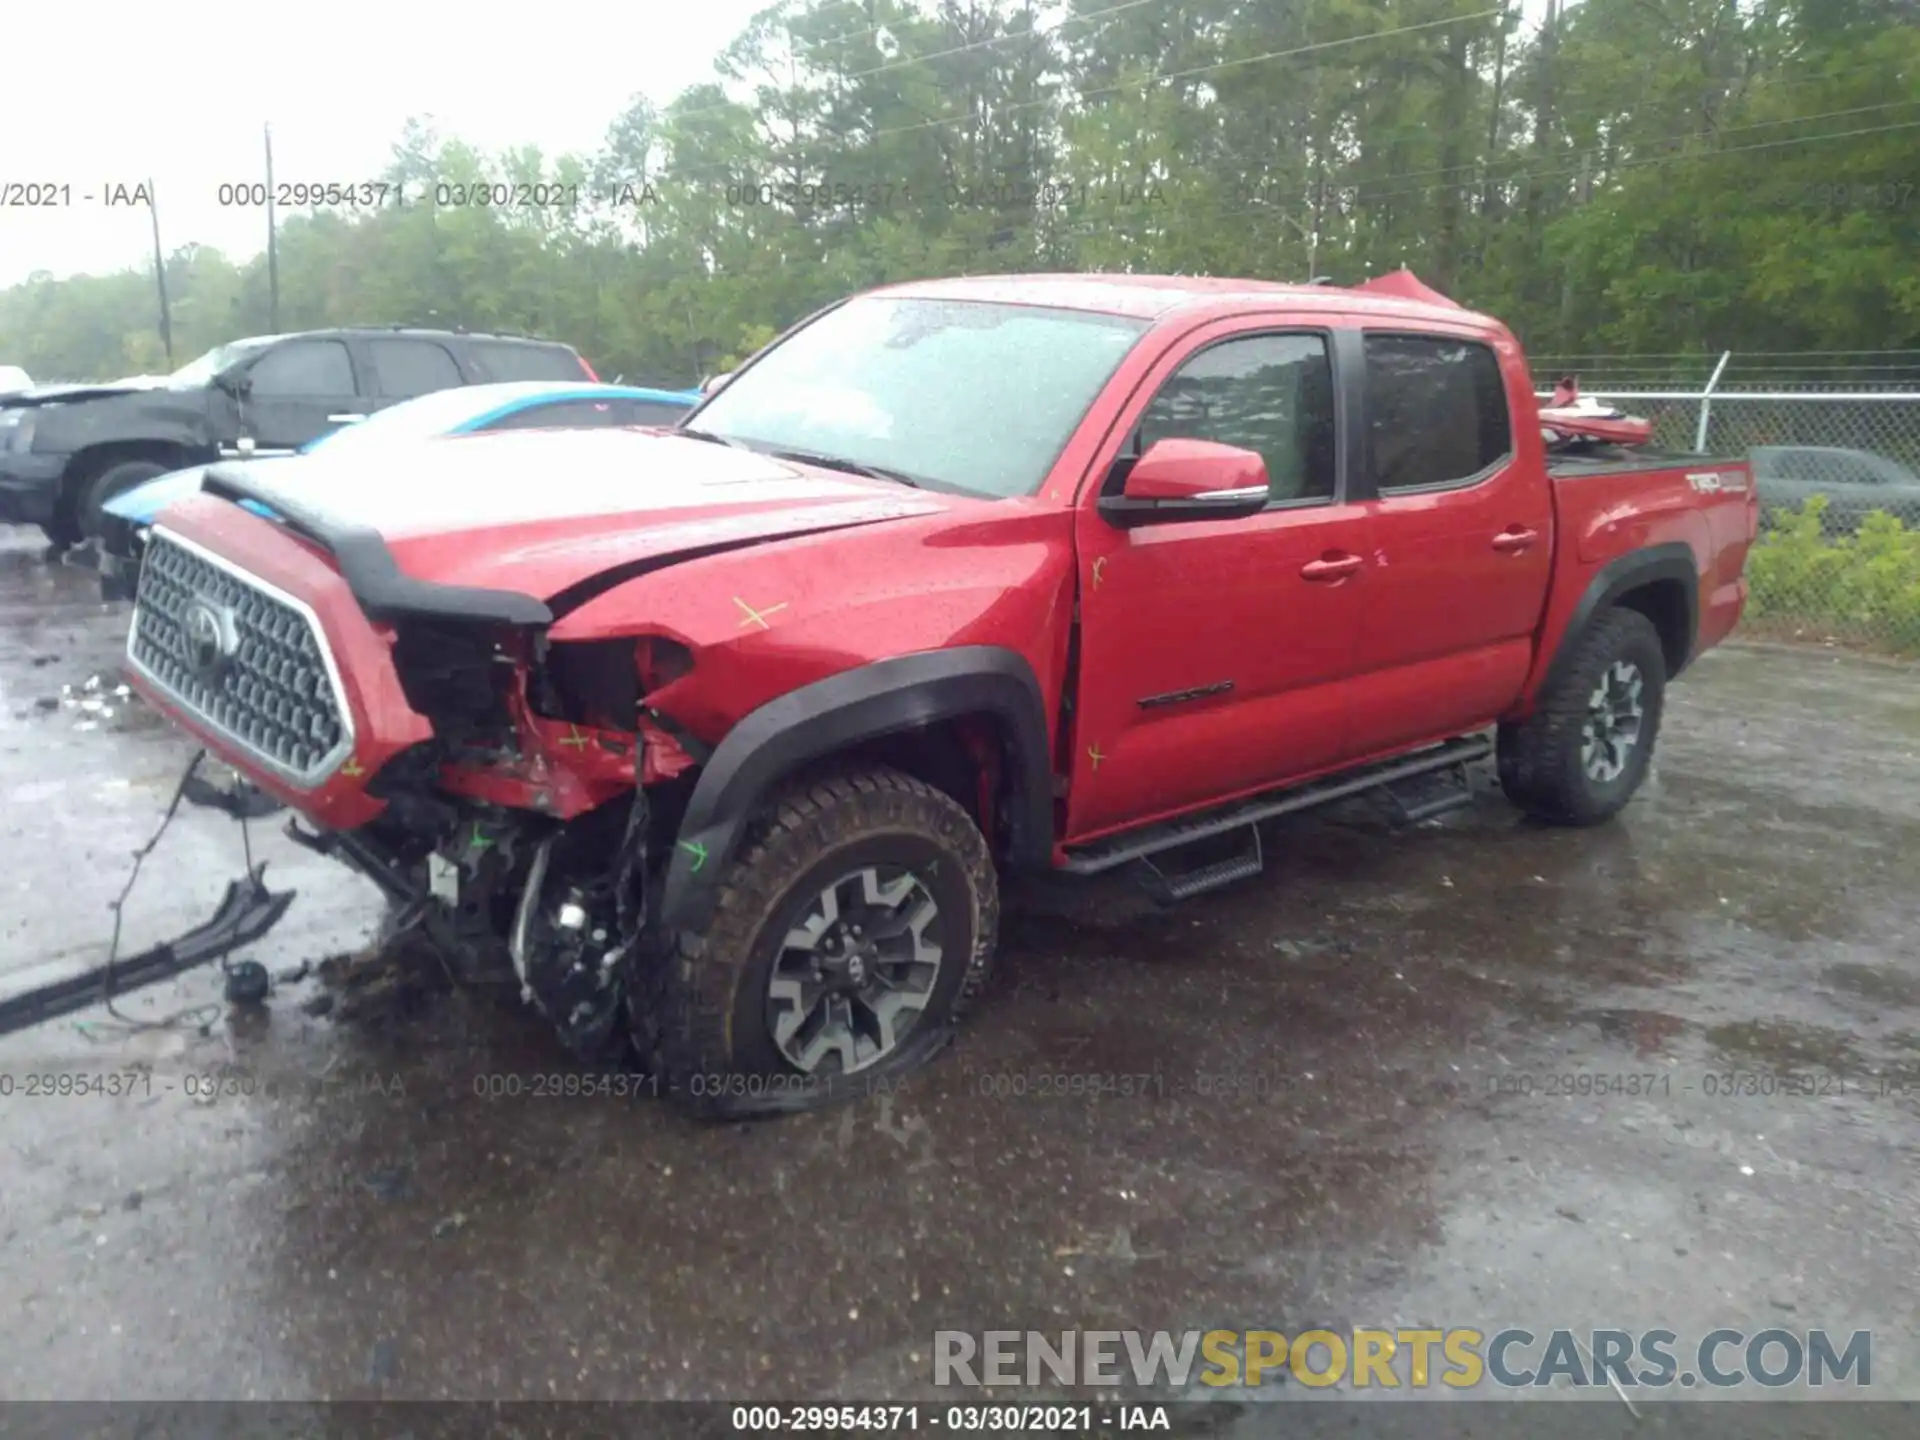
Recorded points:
(1855, 482)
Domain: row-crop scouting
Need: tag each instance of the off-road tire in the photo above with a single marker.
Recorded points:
(710, 1046)
(116, 479)
(1539, 758)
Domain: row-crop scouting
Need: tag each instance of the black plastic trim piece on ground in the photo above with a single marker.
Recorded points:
(368, 566)
(844, 710)
(1673, 561)
(248, 911)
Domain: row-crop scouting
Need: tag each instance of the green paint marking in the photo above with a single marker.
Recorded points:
(697, 851)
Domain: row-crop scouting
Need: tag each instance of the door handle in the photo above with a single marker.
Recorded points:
(1515, 539)
(344, 419)
(1331, 567)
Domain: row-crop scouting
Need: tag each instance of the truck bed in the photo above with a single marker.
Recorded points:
(1613, 459)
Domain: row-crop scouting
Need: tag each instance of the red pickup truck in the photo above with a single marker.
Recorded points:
(717, 742)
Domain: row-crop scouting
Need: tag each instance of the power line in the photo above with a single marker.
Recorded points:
(1637, 164)
(1768, 81)
(1527, 176)
(999, 39)
(1149, 80)
(727, 170)
(1146, 81)
(870, 30)
(1644, 144)
(970, 46)
(1104, 223)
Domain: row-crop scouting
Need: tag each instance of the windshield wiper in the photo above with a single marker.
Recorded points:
(850, 467)
(711, 438)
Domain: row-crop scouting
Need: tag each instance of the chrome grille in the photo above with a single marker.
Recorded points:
(241, 657)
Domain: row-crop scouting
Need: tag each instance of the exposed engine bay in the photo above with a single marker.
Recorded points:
(470, 851)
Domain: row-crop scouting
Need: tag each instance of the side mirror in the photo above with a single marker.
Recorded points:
(1189, 480)
(234, 382)
(715, 382)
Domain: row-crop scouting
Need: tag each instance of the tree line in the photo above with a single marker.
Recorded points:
(1660, 177)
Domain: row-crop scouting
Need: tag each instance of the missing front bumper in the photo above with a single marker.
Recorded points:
(248, 911)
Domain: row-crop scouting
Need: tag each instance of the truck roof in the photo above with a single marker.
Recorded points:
(1159, 297)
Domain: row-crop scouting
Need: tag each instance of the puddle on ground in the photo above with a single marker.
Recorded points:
(1787, 1045)
(1647, 1031)
(1882, 984)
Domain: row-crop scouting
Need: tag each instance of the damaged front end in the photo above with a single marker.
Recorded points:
(524, 838)
(510, 796)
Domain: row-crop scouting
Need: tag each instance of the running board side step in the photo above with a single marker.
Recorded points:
(1101, 855)
(1185, 884)
(1427, 797)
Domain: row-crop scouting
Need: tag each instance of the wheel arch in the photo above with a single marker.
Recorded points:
(883, 711)
(1661, 582)
(89, 462)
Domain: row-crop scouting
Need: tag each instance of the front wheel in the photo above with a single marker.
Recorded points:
(852, 933)
(112, 481)
(1581, 755)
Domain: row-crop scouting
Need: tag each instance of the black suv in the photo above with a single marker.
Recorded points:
(65, 450)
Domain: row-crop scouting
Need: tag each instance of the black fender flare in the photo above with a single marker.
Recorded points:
(99, 454)
(1672, 561)
(857, 705)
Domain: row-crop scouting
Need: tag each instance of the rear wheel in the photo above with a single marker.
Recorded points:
(851, 934)
(1579, 758)
(112, 481)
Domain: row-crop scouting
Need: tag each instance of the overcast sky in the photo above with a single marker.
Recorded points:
(117, 92)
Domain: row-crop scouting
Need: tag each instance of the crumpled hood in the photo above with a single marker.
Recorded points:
(539, 512)
(64, 394)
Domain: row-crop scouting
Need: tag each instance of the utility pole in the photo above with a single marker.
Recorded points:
(160, 276)
(1319, 214)
(273, 249)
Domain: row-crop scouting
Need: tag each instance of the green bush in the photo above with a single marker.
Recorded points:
(1861, 586)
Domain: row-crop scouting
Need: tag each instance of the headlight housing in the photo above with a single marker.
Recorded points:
(16, 429)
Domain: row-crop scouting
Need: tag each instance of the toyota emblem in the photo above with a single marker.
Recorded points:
(211, 640)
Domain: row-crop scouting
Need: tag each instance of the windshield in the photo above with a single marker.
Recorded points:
(421, 418)
(961, 395)
(199, 373)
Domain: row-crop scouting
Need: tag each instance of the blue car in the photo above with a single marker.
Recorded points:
(522, 405)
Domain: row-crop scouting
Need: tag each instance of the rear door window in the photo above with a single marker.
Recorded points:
(512, 360)
(1436, 411)
(410, 367)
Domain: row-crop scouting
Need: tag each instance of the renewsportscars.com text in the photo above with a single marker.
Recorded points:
(1459, 1358)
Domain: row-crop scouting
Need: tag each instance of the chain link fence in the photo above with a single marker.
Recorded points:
(1836, 456)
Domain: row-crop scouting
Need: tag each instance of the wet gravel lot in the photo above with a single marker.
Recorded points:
(1344, 1109)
